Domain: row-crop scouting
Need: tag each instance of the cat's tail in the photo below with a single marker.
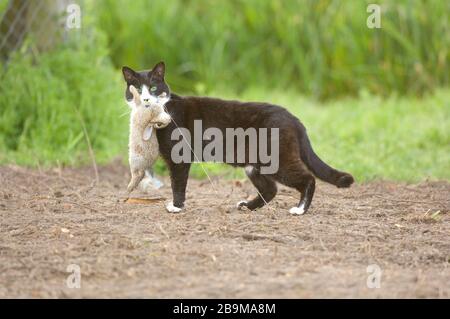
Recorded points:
(319, 168)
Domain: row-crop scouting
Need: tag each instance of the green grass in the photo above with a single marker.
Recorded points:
(320, 48)
(3, 5)
(47, 99)
(396, 138)
(268, 51)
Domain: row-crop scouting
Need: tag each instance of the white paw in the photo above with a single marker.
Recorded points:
(241, 204)
(297, 210)
(172, 209)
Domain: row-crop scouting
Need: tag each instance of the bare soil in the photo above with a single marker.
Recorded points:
(53, 218)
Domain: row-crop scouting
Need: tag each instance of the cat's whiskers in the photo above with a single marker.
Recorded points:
(125, 113)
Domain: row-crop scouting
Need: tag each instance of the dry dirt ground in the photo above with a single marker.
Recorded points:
(54, 218)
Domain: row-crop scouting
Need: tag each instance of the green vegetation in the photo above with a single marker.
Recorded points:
(47, 99)
(3, 5)
(397, 138)
(376, 102)
(321, 48)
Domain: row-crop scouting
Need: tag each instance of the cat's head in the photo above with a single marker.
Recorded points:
(150, 85)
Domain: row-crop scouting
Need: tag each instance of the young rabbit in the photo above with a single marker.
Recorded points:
(143, 144)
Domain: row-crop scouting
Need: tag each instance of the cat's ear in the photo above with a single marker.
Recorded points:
(129, 75)
(158, 71)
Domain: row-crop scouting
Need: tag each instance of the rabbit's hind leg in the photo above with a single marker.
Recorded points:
(136, 177)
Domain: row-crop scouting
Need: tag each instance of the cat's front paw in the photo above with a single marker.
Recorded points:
(172, 209)
(297, 210)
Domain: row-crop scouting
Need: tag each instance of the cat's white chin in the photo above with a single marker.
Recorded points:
(173, 209)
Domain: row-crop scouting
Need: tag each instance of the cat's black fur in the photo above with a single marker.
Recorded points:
(298, 163)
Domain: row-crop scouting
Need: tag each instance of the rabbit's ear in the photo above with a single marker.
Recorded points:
(133, 90)
(136, 95)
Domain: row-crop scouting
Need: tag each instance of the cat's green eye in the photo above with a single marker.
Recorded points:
(153, 89)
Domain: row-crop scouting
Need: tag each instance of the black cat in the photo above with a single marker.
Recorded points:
(297, 162)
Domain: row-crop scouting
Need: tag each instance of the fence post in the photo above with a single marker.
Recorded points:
(12, 27)
(41, 19)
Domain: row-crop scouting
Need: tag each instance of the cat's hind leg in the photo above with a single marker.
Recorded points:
(136, 176)
(298, 177)
(308, 187)
(266, 186)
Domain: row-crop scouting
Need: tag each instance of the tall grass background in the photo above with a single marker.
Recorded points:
(376, 102)
(55, 105)
(322, 48)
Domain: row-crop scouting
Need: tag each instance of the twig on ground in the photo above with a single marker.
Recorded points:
(163, 231)
(88, 141)
(248, 236)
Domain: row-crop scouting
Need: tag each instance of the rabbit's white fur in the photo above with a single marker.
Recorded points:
(143, 145)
